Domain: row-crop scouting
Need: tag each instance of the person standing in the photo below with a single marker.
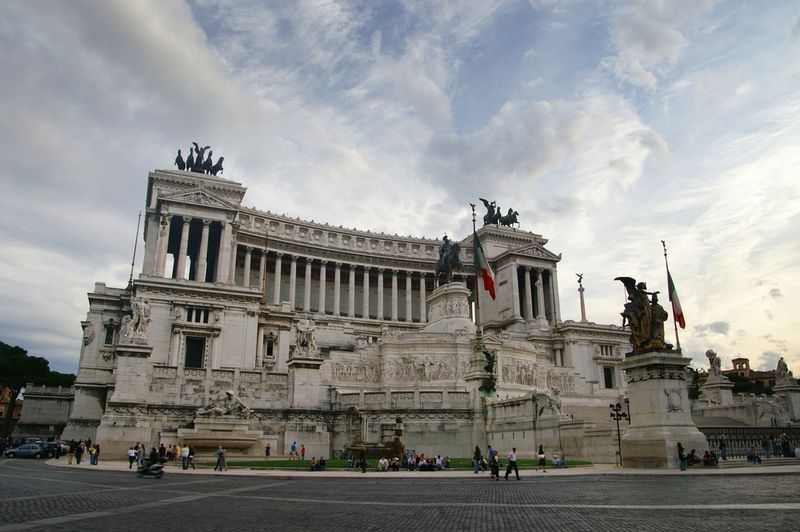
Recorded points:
(96, 453)
(131, 457)
(476, 459)
(79, 452)
(302, 452)
(71, 452)
(542, 460)
(490, 456)
(682, 456)
(191, 457)
(512, 463)
(185, 457)
(723, 447)
(220, 455)
(267, 451)
(362, 456)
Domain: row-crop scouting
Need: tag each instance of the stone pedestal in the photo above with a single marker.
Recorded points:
(718, 390)
(660, 411)
(304, 384)
(449, 310)
(790, 391)
(133, 373)
(232, 433)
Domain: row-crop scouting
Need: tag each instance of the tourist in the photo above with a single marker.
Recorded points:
(776, 445)
(714, 460)
(692, 459)
(752, 456)
(383, 464)
(220, 455)
(512, 463)
(302, 452)
(321, 464)
(79, 452)
(682, 456)
(185, 457)
(96, 453)
(723, 447)
(267, 451)
(71, 452)
(542, 460)
(191, 457)
(313, 463)
(765, 447)
(494, 465)
(131, 457)
(362, 456)
(706, 459)
(395, 464)
(477, 458)
(786, 447)
(162, 453)
(293, 451)
(559, 462)
(491, 454)
(140, 454)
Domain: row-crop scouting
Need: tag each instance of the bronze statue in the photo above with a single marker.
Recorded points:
(449, 259)
(207, 164)
(190, 161)
(509, 219)
(644, 316)
(217, 168)
(492, 216)
(179, 161)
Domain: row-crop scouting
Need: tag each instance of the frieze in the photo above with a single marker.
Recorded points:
(650, 373)
(77, 422)
(348, 371)
(426, 368)
(184, 291)
(526, 373)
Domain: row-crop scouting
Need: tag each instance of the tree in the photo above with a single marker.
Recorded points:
(742, 385)
(17, 369)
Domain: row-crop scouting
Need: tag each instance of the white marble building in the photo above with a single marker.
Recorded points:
(225, 287)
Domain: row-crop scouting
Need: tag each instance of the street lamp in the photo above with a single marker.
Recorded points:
(616, 415)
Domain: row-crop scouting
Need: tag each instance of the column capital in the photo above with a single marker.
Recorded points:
(338, 265)
(422, 275)
(395, 271)
(366, 268)
(294, 258)
(279, 254)
(206, 221)
(323, 262)
(249, 249)
(527, 267)
(381, 270)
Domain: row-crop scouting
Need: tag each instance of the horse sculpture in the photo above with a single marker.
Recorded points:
(510, 219)
(449, 260)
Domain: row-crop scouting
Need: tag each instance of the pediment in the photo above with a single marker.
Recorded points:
(199, 197)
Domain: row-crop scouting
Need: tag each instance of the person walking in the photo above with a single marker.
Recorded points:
(96, 453)
(267, 451)
(220, 455)
(542, 460)
(512, 463)
(191, 457)
(71, 452)
(362, 456)
(681, 457)
(302, 452)
(477, 458)
(490, 456)
(185, 457)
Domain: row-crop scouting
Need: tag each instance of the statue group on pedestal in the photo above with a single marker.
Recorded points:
(136, 326)
(198, 162)
(226, 405)
(494, 215)
(644, 315)
(305, 345)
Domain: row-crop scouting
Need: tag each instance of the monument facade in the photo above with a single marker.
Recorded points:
(327, 333)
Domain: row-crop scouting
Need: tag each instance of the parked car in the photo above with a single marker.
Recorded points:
(49, 447)
(34, 450)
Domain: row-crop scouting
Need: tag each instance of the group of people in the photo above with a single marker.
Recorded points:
(709, 458)
(80, 449)
(139, 455)
(294, 452)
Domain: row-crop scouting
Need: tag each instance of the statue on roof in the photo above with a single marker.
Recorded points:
(644, 316)
(493, 214)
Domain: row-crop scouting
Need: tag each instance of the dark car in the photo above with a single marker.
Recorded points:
(49, 448)
(34, 450)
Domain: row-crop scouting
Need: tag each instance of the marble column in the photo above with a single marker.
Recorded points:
(528, 295)
(351, 293)
(174, 348)
(394, 295)
(365, 310)
(163, 244)
(248, 258)
(422, 297)
(202, 260)
(232, 261)
(260, 347)
(379, 313)
(323, 273)
(181, 271)
(337, 289)
(554, 277)
(292, 282)
(540, 310)
(222, 253)
(307, 288)
(409, 309)
(552, 295)
(262, 270)
(276, 289)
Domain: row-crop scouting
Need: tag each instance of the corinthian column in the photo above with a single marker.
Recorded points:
(540, 311)
(409, 313)
(422, 297)
(323, 273)
(163, 244)
(365, 310)
(292, 281)
(394, 295)
(528, 295)
(181, 271)
(202, 260)
(276, 289)
(248, 258)
(380, 314)
(307, 288)
(351, 293)
(337, 289)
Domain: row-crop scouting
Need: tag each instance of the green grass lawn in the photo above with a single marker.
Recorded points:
(457, 464)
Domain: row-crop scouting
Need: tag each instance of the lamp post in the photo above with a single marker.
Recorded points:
(617, 414)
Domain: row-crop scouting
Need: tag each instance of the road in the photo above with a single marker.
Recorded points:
(36, 496)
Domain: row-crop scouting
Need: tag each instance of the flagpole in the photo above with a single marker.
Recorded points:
(478, 325)
(135, 243)
(674, 320)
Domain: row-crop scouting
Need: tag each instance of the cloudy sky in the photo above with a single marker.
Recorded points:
(608, 125)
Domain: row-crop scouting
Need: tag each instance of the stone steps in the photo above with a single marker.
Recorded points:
(741, 462)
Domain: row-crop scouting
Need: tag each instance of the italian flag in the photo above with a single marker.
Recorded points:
(482, 266)
(676, 303)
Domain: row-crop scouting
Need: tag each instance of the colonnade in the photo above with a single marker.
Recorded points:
(546, 297)
(197, 252)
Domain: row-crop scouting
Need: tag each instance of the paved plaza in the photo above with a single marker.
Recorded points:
(34, 495)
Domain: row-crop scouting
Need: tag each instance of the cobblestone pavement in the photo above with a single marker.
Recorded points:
(33, 495)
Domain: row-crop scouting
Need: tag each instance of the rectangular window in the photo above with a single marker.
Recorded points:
(197, 315)
(109, 339)
(195, 352)
(608, 376)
